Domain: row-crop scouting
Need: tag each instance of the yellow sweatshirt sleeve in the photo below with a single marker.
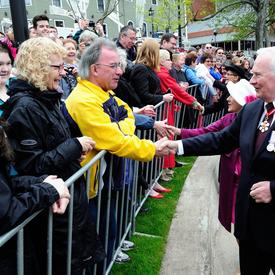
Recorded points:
(117, 138)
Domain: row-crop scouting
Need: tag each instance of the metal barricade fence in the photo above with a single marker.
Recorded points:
(19, 230)
(116, 210)
(189, 118)
(186, 117)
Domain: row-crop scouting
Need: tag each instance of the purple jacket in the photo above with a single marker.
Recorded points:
(228, 179)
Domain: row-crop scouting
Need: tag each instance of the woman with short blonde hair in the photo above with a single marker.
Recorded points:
(33, 64)
(43, 145)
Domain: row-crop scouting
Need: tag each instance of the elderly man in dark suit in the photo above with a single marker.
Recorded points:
(254, 132)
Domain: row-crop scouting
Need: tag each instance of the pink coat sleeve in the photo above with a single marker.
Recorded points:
(214, 127)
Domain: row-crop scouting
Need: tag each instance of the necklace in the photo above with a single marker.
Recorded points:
(264, 125)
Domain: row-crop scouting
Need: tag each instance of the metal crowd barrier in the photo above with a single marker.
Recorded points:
(189, 118)
(122, 206)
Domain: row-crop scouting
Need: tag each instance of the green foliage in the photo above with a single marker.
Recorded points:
(147, 256)
(166, 14)
(245, 26)
(242, 15)
(241, 18)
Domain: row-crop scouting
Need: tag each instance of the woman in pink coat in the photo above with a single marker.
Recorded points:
(230, 164)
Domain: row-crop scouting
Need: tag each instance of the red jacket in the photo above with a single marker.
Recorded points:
(167, 81)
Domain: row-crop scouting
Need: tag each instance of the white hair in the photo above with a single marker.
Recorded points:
(87, 35)
(270, 53)
(163, 55)
(122, 58)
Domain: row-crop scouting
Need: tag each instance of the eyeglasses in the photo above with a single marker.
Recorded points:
(132, 38)
(58, 67)
(113, 66)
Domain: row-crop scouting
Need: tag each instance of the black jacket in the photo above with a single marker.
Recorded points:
(131, 53)
(179, 75)
(20, 197)
(126, 92)
(41, 139)
(146, 84)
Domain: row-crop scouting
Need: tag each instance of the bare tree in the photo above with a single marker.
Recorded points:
(110, 6)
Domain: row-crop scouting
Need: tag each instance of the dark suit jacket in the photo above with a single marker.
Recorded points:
(254, 221)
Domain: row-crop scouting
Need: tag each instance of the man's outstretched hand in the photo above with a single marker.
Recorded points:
(162, 147)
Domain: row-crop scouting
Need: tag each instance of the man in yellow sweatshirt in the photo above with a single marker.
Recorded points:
(99, 114)
(102, 116)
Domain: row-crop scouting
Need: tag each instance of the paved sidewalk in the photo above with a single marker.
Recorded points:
(197, 243)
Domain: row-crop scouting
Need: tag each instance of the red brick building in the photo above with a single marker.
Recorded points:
(212, 31)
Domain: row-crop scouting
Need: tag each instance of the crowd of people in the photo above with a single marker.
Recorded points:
(66, 99)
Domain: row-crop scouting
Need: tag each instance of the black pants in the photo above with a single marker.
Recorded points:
(255, 261)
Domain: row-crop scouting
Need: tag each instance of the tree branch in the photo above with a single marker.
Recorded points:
(108, 10)
(250, 3)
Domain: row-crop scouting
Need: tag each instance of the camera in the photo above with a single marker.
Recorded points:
(69, 69)
(91, 24)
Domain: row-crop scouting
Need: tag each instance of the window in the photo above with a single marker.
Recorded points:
(100, 5)
(57, 3)
(6, 3)
(144, 30)
(105, 28)
(59, 23)
(154, 2)
(130, 23)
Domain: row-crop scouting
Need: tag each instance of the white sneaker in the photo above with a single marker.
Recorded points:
(127, 245)
(122, 258)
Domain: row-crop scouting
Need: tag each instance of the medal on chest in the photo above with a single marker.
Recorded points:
(264, 125)
(271, 144)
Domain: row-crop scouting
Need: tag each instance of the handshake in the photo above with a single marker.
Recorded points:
(165, 147)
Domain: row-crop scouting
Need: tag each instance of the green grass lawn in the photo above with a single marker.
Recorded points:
(148, 253)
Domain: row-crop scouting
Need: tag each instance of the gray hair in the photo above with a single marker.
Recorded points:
(124, 31)
(85, 35)
(270, 53)
(92, 54)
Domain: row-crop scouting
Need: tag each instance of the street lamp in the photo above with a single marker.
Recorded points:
(215, 32)
(151, 14)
